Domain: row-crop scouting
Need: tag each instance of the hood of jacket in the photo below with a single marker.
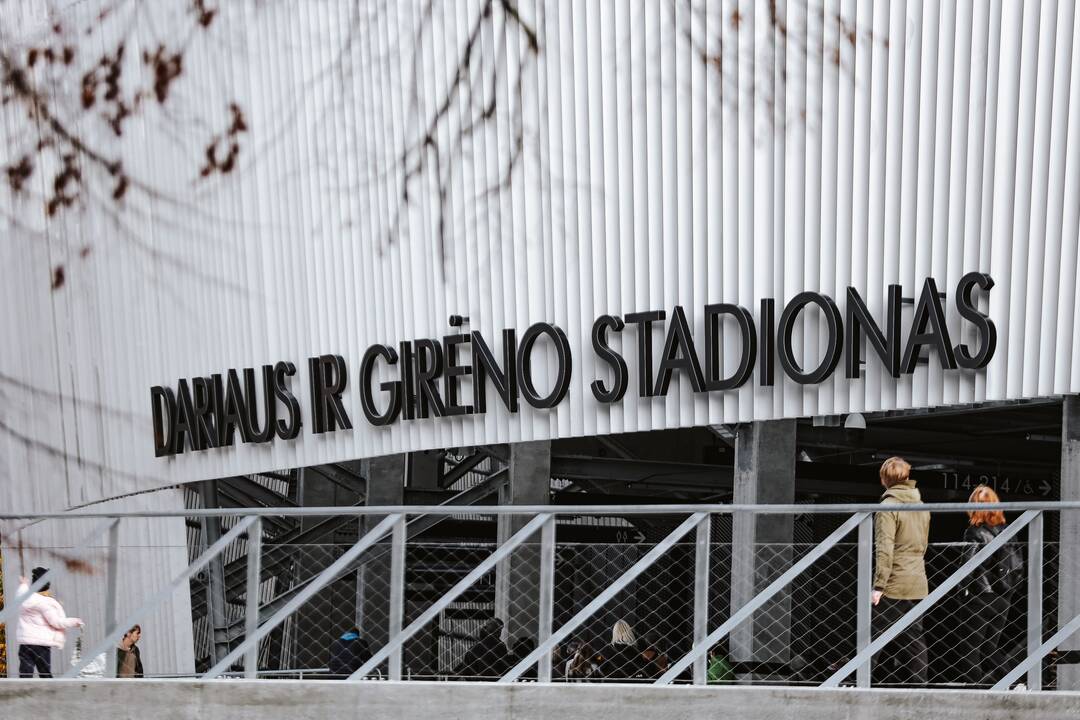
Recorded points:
(904, 492)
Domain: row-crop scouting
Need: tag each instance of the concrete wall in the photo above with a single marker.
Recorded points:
(271, 700)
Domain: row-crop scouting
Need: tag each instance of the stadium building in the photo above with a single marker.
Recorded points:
(322, 255)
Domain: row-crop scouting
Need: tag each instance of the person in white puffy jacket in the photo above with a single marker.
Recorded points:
(41, 628)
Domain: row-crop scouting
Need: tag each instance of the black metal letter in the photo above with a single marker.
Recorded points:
(524, 363)
(767, 346)
(408, 381)
(970, 312)
(679, 354)
(645, 366)
(266, 433)
(367, 370)
(452, 373)
(286, 429)
(484, 366)
(163, 425)
(184, 424)
(886, 344)
(713, 329)
(429, 366)
(205, 428)
(233, 412)
(928, 312)
(611, 357)
(329, 377)
(834, 324)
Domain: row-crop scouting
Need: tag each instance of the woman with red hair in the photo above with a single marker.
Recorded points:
(989, 589)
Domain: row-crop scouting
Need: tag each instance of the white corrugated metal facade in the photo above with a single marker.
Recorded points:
(647, 154)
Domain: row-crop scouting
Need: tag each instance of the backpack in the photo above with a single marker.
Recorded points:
(1008, 569)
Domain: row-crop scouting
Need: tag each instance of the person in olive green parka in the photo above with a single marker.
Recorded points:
(900, 540)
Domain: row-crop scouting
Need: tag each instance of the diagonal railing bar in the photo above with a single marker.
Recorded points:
(1036, 657)
(939, 592)
(603, 598)
(120, 628)
(322, 579)
(12, 608)
(452, 594)
(760, 599)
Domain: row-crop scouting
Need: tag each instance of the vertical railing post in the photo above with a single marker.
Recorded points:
(254, 575)
(215, 573)
(865, 582)
(547, 596)
(702, 547)
(397, 593)
(358, 617)
(1035, 598)
(111, 593)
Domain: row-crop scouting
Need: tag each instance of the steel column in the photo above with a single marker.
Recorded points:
(215, 580)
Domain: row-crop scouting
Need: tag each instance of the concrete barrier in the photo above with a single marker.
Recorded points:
(291, 699)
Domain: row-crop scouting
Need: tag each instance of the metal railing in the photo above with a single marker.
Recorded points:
(694, 600)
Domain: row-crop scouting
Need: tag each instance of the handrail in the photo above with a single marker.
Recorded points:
(747, 610)
(395, 643)
(833, 508)
(925, 603)
(325, 577)
(132, 618)
(604, 597)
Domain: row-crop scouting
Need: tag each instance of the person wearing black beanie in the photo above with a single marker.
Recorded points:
(42, 624)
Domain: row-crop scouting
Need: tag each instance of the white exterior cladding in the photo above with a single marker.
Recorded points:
(676, 153)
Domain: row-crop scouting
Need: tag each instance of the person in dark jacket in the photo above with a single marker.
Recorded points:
(988, 592)
(128, 660)
(348, 653)
(582, 663)
(622, 658)
(488, 658)
(654, 663)
(520, 650)
(900, 540)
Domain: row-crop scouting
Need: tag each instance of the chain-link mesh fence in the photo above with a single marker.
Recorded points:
(608, 626)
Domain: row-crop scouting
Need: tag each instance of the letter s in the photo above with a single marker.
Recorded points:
(985, 326)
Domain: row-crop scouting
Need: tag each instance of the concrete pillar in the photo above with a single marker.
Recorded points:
(385, 486)
(215, 585)
(517, 579)
(424, 470)
(1069, 558)
(761, 545)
